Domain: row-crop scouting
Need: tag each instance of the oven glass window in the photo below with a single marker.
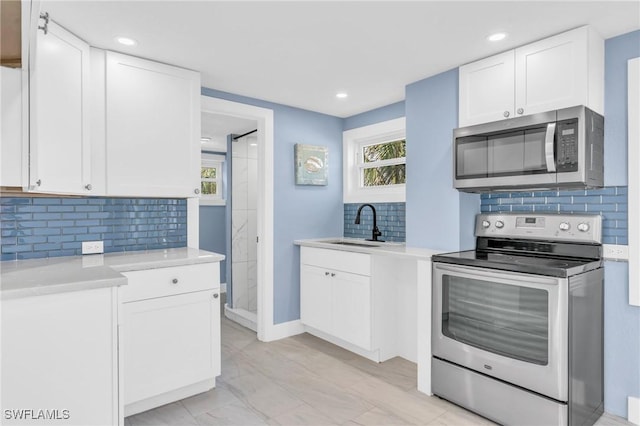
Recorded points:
(508, 320)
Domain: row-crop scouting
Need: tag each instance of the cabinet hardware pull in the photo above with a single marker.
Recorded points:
(333, 275)
(520, 111)
(326, 274)
(215, 295)
(44, 27)
(175, 281)
(506, 114)
(39, 182)
(88, 187)
(196, 191)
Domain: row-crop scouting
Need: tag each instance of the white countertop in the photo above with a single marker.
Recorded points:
(370, 247)
(23, 278)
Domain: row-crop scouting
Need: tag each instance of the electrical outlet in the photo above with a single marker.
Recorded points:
(92, 247)
(613, 251)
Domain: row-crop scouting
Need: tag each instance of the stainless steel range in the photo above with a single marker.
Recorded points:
(518, 322)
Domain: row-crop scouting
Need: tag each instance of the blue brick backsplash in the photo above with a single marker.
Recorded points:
(610, 202)
(34, 227)
(391, 221)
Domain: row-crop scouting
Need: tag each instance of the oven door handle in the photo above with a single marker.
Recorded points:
(503, 277)
(548, 147)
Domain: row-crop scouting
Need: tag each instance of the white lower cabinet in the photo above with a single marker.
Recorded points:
(60, 359)
(336, 295)
(170, 335)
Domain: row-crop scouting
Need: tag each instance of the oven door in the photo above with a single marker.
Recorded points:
(507, 325)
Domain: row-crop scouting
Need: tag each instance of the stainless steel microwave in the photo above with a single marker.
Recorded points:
(562, 149)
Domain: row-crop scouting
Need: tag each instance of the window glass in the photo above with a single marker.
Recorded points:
(508, 320)
(211, 183)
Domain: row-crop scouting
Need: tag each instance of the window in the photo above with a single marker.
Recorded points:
(383, 164)
(211, 180)
(375, 163)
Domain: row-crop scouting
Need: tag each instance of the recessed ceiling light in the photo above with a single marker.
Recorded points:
(341, 95)
(126, 41)
(497, 37)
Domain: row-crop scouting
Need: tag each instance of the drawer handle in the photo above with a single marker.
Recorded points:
(326, 274)
(215, 295)
(333, 274)
(175, 281)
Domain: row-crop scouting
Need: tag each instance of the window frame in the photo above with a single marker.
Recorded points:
(216, 161)
(353, 142)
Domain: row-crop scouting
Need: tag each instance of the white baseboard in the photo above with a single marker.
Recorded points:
(243, 317)
(633, 409)
(283, 330)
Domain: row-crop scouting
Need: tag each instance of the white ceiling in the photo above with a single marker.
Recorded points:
(301, 53)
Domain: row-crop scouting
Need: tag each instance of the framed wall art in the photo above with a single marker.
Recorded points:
(311, 164)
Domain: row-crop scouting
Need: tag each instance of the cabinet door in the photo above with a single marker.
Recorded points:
(316, 298)
(170, 342)
(552, 73)
(351, 301)
(60, 156)
(59, 353)
(487, 90)
(153, 128)
(11, 154)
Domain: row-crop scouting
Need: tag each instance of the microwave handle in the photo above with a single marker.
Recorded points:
(548, 147)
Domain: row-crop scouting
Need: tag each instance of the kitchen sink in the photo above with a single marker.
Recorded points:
(353, 243)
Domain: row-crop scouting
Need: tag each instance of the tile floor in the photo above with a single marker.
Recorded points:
(303, 380)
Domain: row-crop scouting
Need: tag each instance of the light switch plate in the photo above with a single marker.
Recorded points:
(92, 247)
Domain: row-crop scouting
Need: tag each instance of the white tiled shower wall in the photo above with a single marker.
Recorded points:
(244, 223)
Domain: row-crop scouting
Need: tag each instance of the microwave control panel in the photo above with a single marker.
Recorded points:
(567, 146)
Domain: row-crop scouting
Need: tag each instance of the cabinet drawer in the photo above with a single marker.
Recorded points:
(160, 282)
(355, 263)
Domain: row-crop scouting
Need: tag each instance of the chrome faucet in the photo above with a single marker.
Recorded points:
(375, 233)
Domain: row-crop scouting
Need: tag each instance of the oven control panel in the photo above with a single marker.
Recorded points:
(541, 226)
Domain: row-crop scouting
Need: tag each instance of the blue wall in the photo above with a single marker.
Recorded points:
(378, 115)
(213, 234)
(622, 321)
(299, 211)
(438, 216)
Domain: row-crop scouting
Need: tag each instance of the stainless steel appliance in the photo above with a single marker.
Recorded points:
(518, 322)
(555, 149)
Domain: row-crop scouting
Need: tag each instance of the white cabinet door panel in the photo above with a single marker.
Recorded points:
(59, 352)
(11, 155)
(351, 304)
(60, 156)
(487, 90)
(169, 343)
(316, 298)
(153, 128)
(552, 73)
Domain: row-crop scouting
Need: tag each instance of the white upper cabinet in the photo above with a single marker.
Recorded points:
(558, 72)
(152, 128)
(487, 89)
(59, 143)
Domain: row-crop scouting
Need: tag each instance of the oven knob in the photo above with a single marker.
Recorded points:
(564, 226)
(486, 223)
(584, 227)
(499, 224)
